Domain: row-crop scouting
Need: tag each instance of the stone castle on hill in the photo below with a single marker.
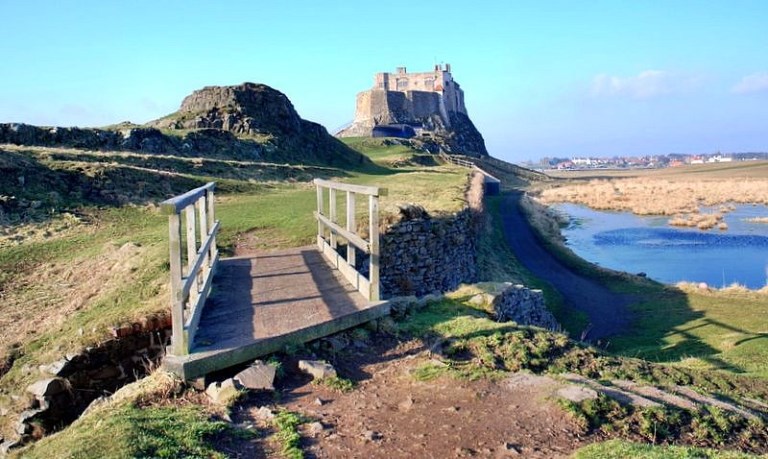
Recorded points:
(426, 105)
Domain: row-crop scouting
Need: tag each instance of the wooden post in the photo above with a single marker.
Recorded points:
(373, 232)
(211, 218)
(351, 227)
(332, 213)
(178, 344)
(189, 214)
(320, 229)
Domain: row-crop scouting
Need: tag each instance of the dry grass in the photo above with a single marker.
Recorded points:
(681, 199)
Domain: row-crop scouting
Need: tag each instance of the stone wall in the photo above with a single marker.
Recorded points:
(422, 254)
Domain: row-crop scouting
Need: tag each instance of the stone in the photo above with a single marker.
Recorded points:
(223, 393)
(316, 428)
(258, 376)
(317, 369)
(576, 394)
(48, 387)
(406, 404)
(371, 435)
(265, 414)
(60, 367)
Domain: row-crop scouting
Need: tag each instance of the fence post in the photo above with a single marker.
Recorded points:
(332, 213)
(373, 231)
(178, 344)
(351, 227)
(320, 229)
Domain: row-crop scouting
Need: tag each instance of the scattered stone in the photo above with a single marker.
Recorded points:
(318, 401)
(258, 376)
(265, 414)
(48, 387)
(223, 393)
(510, 449)
(406, 404)
(316, 428)
(317, 369)
(372, 435)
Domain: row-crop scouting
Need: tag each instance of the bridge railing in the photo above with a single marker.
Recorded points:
(194, 257)
(329, 231)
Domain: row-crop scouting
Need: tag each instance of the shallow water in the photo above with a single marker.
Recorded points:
(634, 244)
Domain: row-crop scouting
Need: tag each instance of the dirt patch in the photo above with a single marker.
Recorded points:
(391, 414)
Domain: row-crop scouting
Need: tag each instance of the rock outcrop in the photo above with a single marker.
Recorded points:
(260, 113)
(428, 106)
(247, 122)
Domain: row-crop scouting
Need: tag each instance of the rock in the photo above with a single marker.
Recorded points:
(318, 401)
(258, 376)
(58, 368)
(372, 435)
(576, 394)
(406, 404)
(223, 393)
(524, 306)
(48, 387)
(317, 369)
(265, 414)
(316, 428)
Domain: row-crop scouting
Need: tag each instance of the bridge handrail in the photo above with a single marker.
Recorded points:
(190, 287)
(368, 287)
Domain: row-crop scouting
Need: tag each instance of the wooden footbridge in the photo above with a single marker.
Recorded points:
(229, 311)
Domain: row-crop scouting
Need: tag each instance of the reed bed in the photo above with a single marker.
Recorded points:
(680, 199)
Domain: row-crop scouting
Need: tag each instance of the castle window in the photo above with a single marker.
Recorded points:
(402, 83)
(429, 83)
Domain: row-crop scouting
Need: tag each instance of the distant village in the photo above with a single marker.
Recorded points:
(644, 162)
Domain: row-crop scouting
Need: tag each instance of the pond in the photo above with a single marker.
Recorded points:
(631, 243)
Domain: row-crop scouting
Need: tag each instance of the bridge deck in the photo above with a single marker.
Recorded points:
(264, 302)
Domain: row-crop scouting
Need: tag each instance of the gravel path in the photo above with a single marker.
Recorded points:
(607, 311)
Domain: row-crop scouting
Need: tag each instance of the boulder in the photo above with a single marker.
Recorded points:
(258, 376)
(317, 369)
(223, 393)
(48, 387)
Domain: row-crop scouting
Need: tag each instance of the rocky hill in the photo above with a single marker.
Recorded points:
(247, 122)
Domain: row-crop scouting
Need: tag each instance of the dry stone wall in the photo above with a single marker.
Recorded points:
(423, 254)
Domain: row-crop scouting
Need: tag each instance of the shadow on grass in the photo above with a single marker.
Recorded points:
(627, 315)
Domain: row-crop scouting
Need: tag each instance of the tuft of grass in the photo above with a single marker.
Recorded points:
(621, 449)
(287, 424)
(336, 383)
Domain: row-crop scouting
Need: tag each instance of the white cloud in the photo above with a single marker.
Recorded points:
(751, 83)
(646, 84)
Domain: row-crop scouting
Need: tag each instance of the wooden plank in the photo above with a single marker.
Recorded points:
(176, 204)
(351, 255)
(202, 363)
(320, 211)
(353, 238)
(196, 310)
(178, 346)
(199, 259)
(362, 189)
(332, 216)
(373, 231)
(356, 279)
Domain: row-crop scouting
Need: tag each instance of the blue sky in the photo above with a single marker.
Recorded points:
(557, 78)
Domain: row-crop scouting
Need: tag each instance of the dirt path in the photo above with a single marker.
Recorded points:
(390, 414)
(607, 311)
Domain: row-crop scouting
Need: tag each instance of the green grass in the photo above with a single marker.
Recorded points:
(621, 449)
(133, 425)
(287, 424)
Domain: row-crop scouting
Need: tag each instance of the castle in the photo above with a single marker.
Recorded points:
(425, 104)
